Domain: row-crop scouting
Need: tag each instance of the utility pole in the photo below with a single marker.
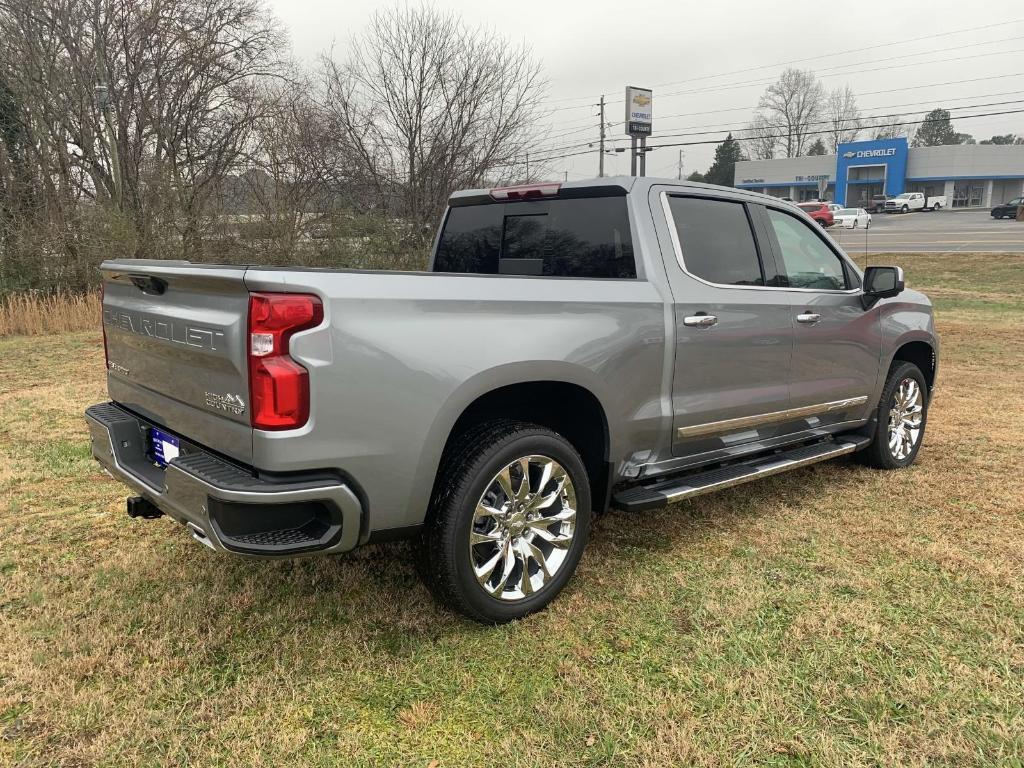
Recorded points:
(600, 156)
(679, 173)
(527, 167)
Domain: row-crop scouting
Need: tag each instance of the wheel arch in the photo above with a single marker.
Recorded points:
(559, 397)
(921, 353)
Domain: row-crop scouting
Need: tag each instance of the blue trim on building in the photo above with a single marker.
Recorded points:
(964, 178)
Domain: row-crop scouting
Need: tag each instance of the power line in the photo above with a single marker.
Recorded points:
(810, 58)
(785, 135)
(589, 125)
(747, 109)
(718, 128)
(816, 133)
(852, 50)
(729, 87)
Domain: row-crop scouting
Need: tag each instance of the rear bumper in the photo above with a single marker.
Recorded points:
(225, 506)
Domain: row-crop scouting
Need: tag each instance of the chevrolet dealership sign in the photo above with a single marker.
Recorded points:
(890, 152)
(639, 111)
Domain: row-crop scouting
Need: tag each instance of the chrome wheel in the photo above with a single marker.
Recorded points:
(905, 417)
(523, 528)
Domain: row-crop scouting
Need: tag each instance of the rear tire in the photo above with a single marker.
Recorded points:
(901, 417)
(527, 540)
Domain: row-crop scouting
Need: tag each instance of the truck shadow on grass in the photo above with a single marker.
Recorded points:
(373, 598)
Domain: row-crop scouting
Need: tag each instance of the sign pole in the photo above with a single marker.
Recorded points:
(643, 156)
(632, 157)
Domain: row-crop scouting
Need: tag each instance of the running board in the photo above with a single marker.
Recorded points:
(659, 494)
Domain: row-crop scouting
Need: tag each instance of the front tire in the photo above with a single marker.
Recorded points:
(904, 209)
(508, 522)
(901, 419)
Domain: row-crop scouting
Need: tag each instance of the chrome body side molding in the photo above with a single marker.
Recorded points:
(746, 422)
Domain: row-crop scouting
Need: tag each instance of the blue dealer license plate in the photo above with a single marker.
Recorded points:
(165, 447)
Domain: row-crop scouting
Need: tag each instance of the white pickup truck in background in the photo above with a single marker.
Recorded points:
(914, 201)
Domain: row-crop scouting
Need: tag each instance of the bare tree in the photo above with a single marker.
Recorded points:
(793, 104)
(141, 107)
(762, 139)
(427, 105)
(297, 165)
(843, 116)
(888, 127)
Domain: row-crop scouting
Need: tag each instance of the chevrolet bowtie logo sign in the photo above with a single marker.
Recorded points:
(641, 100)
(848, 155)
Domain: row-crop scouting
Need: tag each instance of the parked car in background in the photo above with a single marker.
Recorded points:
(914, 201)
(835, 208)
(852, 218)
(1008, 210)
(552, 362)
(820, 212)
(876, 204)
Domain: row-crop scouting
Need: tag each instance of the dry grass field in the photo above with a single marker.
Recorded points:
(833, 616)
(29, 315)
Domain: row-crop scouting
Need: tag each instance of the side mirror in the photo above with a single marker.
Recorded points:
(881, 283)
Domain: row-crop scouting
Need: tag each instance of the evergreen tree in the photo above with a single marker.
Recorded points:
(937, 130)
(817, 148)
(1006, 138)
(723, 169)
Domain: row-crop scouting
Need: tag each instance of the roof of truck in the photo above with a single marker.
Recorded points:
(609, 185)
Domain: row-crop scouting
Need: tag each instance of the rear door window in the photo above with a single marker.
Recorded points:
(716, 240)
(581, 237)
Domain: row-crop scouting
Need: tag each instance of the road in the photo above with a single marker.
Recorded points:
(931, 232)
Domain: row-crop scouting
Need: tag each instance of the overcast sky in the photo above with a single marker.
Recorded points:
(590, 47)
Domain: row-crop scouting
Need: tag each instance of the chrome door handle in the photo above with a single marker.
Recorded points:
(808, 318)
(700, 321)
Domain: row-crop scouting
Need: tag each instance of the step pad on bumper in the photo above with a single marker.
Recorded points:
(233, 508)
(667, 491)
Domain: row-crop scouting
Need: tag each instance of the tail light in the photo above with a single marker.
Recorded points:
(526, 191)
(279, 386)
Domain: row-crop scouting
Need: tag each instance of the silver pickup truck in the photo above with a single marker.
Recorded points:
(614, 342)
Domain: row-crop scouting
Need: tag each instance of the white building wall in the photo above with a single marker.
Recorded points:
(785, 171)
(969, 161)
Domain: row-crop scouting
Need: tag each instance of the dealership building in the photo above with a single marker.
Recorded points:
(969, 175)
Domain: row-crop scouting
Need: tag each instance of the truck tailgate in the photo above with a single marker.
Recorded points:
(176, 348)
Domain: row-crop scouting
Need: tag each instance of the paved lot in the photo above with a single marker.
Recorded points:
(930, 232)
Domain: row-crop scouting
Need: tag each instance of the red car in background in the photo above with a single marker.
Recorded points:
(820, 212)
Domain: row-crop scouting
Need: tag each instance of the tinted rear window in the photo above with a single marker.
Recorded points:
(716, 240)
(585, 237)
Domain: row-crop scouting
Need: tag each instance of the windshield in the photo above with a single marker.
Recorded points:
(904, 196)
(847, 211)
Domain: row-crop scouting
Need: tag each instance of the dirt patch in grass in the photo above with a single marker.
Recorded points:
(832, 616)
